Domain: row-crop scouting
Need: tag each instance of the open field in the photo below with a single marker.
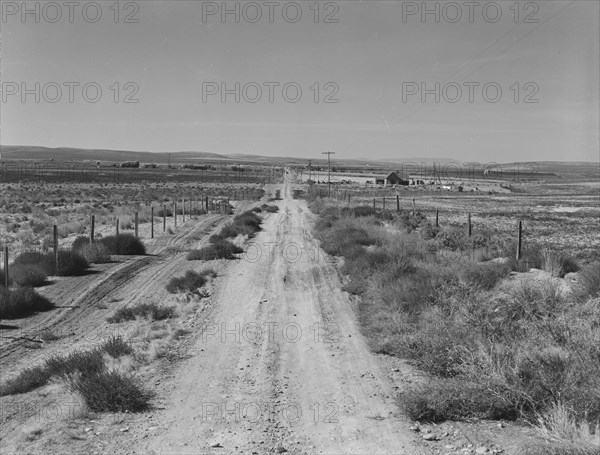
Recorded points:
(333, 326)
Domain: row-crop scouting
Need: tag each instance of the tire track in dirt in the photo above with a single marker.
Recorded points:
(77, 318)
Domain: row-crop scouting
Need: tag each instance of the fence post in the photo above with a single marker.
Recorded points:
(183, 208)
(469, 221)
(373, 202)
(414, 206)
(117, 226)
(55, 239)
(6, 276)
(151, 222)
(437, 217)
(92, 229)
(519, 243)
(397, 203)
(190, 203)
(164, 217)
(383, 203)
(206, 201)
(175, 212)
(136, 225)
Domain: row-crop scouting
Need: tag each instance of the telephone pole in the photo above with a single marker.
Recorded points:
(328, 171)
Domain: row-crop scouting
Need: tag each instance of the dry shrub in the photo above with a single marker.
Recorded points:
(21, 302)
(191, 282)
(152, 311)
(124, 244)
(219, 249)
(111, 391)
(484, 276)
(454, 399)
(27, 275)
(95, 253)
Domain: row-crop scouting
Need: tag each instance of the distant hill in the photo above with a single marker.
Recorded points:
(567, 170)
(20, 152)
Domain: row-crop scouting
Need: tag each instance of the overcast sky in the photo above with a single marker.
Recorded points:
(368, 56)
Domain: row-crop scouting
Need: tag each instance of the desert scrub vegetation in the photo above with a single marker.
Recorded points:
(269, 208)
(21, 302)
(87, 372)
(495, 348)
(94, 253)
(69, 263)
(124, 244)
(26, 275)
(247, 223)
(191, 282)
(151, 311)
(216, 249)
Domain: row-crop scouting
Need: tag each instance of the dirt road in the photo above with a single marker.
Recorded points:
(279, 366)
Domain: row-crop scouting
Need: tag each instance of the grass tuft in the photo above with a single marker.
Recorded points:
(152, 311)
(191, 282)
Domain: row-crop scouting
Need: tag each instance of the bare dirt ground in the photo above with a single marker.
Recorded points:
(279, 366)
(275, 362)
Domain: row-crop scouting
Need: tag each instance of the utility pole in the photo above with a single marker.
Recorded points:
(328, 171)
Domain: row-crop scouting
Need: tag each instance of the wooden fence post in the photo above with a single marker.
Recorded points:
(206, 201)
(469, 221)
(519, 242)
(136, 225)
(437, 217)
(373, 202)
(397, 203)
(92, 229)
(117, 227)
(164, 217)
(175, 212)
(183, 205)
(6, 275)
(151, 222)
(55, 239)
(414, 206)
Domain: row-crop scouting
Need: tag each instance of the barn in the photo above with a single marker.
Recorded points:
(396, 178)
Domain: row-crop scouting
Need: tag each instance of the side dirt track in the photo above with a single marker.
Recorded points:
(78, 299)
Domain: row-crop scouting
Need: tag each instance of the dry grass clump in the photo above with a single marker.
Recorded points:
(69, 263)
(21, 302)
(27, 275)
(152, 311)
(87, 373)
(247, 224)
(124, 244)
(217, 249)
(192, 281)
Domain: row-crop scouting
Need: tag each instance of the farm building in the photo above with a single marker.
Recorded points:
(394, 178)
